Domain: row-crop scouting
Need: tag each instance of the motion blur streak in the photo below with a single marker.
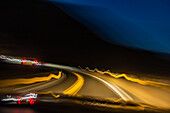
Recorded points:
(151, 83)
(10, 82)
(140, 105)
(49, 92)
(142, 24)
(72, 90)
(19, 100)
(19, 60)
(112, 86)
(116, 100)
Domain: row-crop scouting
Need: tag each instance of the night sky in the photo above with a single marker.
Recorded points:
(88, 33)
(143, 24)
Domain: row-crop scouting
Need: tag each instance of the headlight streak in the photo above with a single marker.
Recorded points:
(19, 61)
(10, 82)
(9, 99)
(143, 82)
(28, 97)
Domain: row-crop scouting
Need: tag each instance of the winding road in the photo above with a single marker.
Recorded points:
(75, 81)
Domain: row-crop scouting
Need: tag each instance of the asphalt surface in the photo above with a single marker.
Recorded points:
(141, 93)
(98, 85)
(91, 87)
(133, 91)
(104, 86)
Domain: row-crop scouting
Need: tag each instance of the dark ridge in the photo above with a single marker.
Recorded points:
(38, 29)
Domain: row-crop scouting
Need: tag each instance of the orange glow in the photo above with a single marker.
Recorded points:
(49, 92)
(72, 90)
(10, 82)
(35, 62)
(143, 82)
(118, 100)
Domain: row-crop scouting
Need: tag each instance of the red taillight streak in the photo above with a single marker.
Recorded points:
(35, 62)
(19, 100)
(24, 60)
(31, 100)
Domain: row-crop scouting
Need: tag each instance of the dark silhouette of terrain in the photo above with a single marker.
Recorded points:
(41, 30)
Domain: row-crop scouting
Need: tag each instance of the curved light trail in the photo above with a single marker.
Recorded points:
(72, 90)
(113, 87)
(135, 92)
(110, 85)
(143, 82)
(49, 92)
(10, 82)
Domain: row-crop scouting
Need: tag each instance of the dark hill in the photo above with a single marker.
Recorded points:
(37, 29)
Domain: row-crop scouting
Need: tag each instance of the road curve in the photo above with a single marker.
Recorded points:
(116, 89)
(127, 90)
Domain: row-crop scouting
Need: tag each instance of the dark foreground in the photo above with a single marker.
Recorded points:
(77, 105)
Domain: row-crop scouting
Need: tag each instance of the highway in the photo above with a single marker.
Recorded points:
(141, 93)
(91, 86)
(74, 81)
(125, 89)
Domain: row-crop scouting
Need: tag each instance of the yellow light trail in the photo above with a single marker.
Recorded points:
(143, 82)
(139, 106)
(49, 92)
(73, 89)
(10, 82)
(117, 100)
(147, 82)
